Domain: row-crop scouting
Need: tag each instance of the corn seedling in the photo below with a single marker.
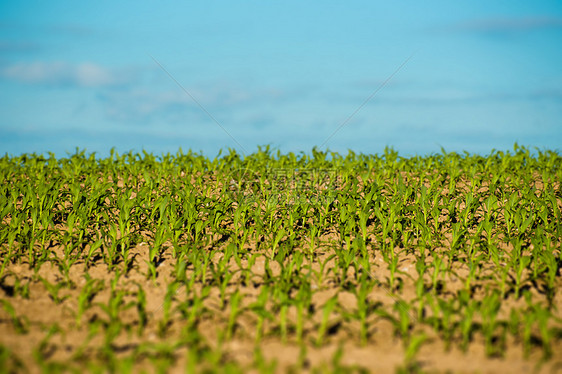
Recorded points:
(160, 257)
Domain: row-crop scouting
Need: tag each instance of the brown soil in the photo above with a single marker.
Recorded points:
(383, 351)
(46, 327)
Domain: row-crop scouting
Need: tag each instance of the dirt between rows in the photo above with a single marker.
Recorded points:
(383, 353)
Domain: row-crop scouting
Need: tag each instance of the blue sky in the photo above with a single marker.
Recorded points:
(475, 76)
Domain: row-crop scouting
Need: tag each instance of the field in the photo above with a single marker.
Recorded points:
(277, 262)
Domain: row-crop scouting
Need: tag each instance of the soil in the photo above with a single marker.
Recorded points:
(46, 327)
(383, 351)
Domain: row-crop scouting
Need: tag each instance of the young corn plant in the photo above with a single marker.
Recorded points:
(411, 350)
(326, 313)
(489, 312)
(89, 291)
(260, 309)
(482, 231)
(364, 306)
(234, 302)
(20, 323)
(468, 307)
(54, 290)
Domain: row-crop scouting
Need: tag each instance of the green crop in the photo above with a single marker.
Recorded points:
(279, 262)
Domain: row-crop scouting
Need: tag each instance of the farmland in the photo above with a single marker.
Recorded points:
(276, 262)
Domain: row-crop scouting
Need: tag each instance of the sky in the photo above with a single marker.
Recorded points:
(209, 75)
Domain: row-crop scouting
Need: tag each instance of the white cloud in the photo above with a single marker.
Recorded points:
(86, 74)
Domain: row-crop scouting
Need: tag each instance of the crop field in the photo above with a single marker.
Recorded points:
(274, 263)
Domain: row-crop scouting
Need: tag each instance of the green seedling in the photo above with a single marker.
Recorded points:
(54, 290)
(489, 312)
(468, 307)
(89, 291)
(166, 307)
(234, 303)
(326, 312)
(541, 316)
(20, 323)
(303, 301)
(141, 309)
(411, 351)
(260, 309)
(482, 231)
(438, 268)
